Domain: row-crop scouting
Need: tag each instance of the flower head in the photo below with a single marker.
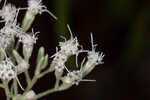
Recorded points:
(69, 47)
(93, 56)
(61, 58)
(7, 70)
(8, 13)
(35, 6)
(11, 30)
(5, 41)
(73, 78)
(28, 39)
(8, 34)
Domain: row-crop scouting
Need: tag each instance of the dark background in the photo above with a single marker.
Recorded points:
(122, 30)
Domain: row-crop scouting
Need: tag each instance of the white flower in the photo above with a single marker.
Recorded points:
(69, 47)
(7, 70)
(36, 7)
(11, 30)
(93, 56)
(73, 78)
(8, 33)
(5, 41)
(59, 60)
(8, 13)
(10, 74)
(28, 39)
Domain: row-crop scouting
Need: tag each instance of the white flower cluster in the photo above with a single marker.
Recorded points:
(11, 29)
(9, 34)
(69, 48)
(12, 33)
(7, 70)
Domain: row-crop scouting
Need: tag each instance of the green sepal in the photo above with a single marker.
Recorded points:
(18, 58)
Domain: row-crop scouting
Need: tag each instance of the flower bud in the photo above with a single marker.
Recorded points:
(27, 51)
(67, 83)
(30, 95)
(22, 67)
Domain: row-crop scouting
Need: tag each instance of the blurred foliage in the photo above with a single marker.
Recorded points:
(62, 12)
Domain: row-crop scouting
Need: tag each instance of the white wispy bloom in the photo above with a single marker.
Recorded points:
(11, 30)
(5, 41)
(36, 7)
(73, 78)
(59, 60)
(28, 39)
(7, 70)
(8, 33)
(69, 47)
(93, 56)
(8, 13)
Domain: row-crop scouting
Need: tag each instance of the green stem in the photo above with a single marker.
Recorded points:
(15, 86)
(17, 45)
(1, 86)
(62, 11)
(43, 73)
(57, 83)
(34, 80)
(45, 93)
(27, 77)
(6, 88)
